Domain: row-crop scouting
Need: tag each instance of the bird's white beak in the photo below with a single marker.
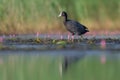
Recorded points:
(60, 15)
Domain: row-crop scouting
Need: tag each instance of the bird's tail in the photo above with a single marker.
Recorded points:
(87, 30)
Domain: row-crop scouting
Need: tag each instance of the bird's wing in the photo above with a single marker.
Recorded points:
(75, 27)
(84, 27)
(71, 26)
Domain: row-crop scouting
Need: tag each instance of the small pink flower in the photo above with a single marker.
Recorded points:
(1, 39)
(37, 34)
(106, 33)
(103, 44)
(13, 35)
(68, 37)
(61, 37)
(94, 34)
(48, 36)
(59, 33)
(10, 36)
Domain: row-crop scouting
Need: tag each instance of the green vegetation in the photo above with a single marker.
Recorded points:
(31, 16)
(39, 67)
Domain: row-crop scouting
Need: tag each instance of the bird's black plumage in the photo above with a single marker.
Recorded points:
(73, 26)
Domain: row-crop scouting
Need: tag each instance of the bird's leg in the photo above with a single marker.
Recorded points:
(80, 38)
(72, 38)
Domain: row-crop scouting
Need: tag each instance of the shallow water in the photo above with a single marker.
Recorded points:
(68, 66)
(22, 58)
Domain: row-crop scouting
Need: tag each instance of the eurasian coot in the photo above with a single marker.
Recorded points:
(73, 26)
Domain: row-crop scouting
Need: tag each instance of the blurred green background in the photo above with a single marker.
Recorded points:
(31, 16)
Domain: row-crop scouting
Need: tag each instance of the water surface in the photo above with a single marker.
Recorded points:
(22, 58)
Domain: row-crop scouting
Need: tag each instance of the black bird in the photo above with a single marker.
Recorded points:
(73, 26)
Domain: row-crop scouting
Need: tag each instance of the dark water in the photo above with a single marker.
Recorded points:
(84, 60)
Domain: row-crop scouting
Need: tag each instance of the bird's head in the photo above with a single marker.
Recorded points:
(63, 13)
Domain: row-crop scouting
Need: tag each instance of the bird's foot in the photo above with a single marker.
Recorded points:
(80, 38)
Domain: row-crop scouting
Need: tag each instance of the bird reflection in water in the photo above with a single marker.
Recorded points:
(68, 61)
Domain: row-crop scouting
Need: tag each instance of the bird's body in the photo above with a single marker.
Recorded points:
(73, 26)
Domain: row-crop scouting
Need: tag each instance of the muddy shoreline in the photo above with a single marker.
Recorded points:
(42, 44)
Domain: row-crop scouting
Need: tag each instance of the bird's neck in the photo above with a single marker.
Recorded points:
(65, 19)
